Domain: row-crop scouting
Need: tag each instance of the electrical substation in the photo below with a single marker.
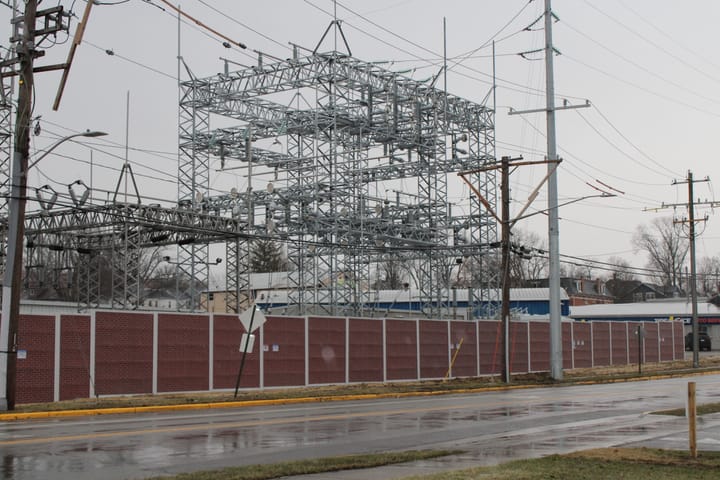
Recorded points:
(345, 163)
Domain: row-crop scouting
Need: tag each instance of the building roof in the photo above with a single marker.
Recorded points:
(414, 295)
(675, 308)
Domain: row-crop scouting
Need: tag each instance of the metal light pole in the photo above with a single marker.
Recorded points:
(12, 278)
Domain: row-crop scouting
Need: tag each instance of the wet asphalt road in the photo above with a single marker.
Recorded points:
(491, 427)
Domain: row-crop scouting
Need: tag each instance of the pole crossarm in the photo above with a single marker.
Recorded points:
(512, 111)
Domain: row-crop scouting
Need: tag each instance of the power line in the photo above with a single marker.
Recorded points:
(636, 33)
(637, 65)
(615, 146)
(641, 152)
(235, 20)
(112, 53)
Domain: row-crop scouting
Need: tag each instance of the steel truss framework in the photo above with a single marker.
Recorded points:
(6, 134)
(337, 134)
(113, 237)
(359, 159)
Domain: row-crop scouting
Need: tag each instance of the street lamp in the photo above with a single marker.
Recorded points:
(87, 133)
(12, 277)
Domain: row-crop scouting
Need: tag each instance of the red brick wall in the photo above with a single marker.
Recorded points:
(366, 363)
(326, 355)
(679, 340)
(284, 351)
(633, 344)
(652, 353)
(124, 342)
(183, 353)
(582, 345)
(434, 345)
(35, 374)
(518, 347)
(619, 332)
(666, 341)
(123, 352)
(227, 355)
(490, 344)
(540, 346)
(466, 359)
(401, 348)
(567, 345)
(75, 356)
(601, 343)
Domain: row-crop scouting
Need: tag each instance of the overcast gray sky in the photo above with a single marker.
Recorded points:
(649, 67)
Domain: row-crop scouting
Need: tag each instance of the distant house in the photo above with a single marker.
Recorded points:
(634, 291)
(159, 299)
(261, 284)
(580, 291)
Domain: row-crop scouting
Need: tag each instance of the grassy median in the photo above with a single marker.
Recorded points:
(306, 467)
(598, 464)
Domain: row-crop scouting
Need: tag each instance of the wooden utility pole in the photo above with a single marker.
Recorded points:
(506, 227)
(691, 220)
(12, 279)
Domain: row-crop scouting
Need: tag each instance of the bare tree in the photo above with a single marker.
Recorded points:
(708, 272)
(620, 269)
(666, 247)
(529, 261)
(391, 274)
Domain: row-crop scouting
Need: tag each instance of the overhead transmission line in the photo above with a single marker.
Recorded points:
(636, 65)
(618, 149)
(518, 87)
(635, 32)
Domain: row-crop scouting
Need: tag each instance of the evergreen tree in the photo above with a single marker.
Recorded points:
(266, 256)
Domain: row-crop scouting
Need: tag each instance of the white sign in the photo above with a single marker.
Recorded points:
(22, 354)
(247, 317)
(247, 343)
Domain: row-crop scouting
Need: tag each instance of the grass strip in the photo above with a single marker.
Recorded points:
(305, 467)
(598, 464)
(703, 409)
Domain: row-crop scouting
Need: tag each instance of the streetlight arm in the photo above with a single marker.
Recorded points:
(63, 140)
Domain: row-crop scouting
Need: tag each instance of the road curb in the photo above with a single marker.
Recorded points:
(332, 398)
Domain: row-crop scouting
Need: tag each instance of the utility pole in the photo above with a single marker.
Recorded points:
(556, 357)
(556, 362)
(24, 35)
(691, 220)
(505, 245)
(12, 279)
